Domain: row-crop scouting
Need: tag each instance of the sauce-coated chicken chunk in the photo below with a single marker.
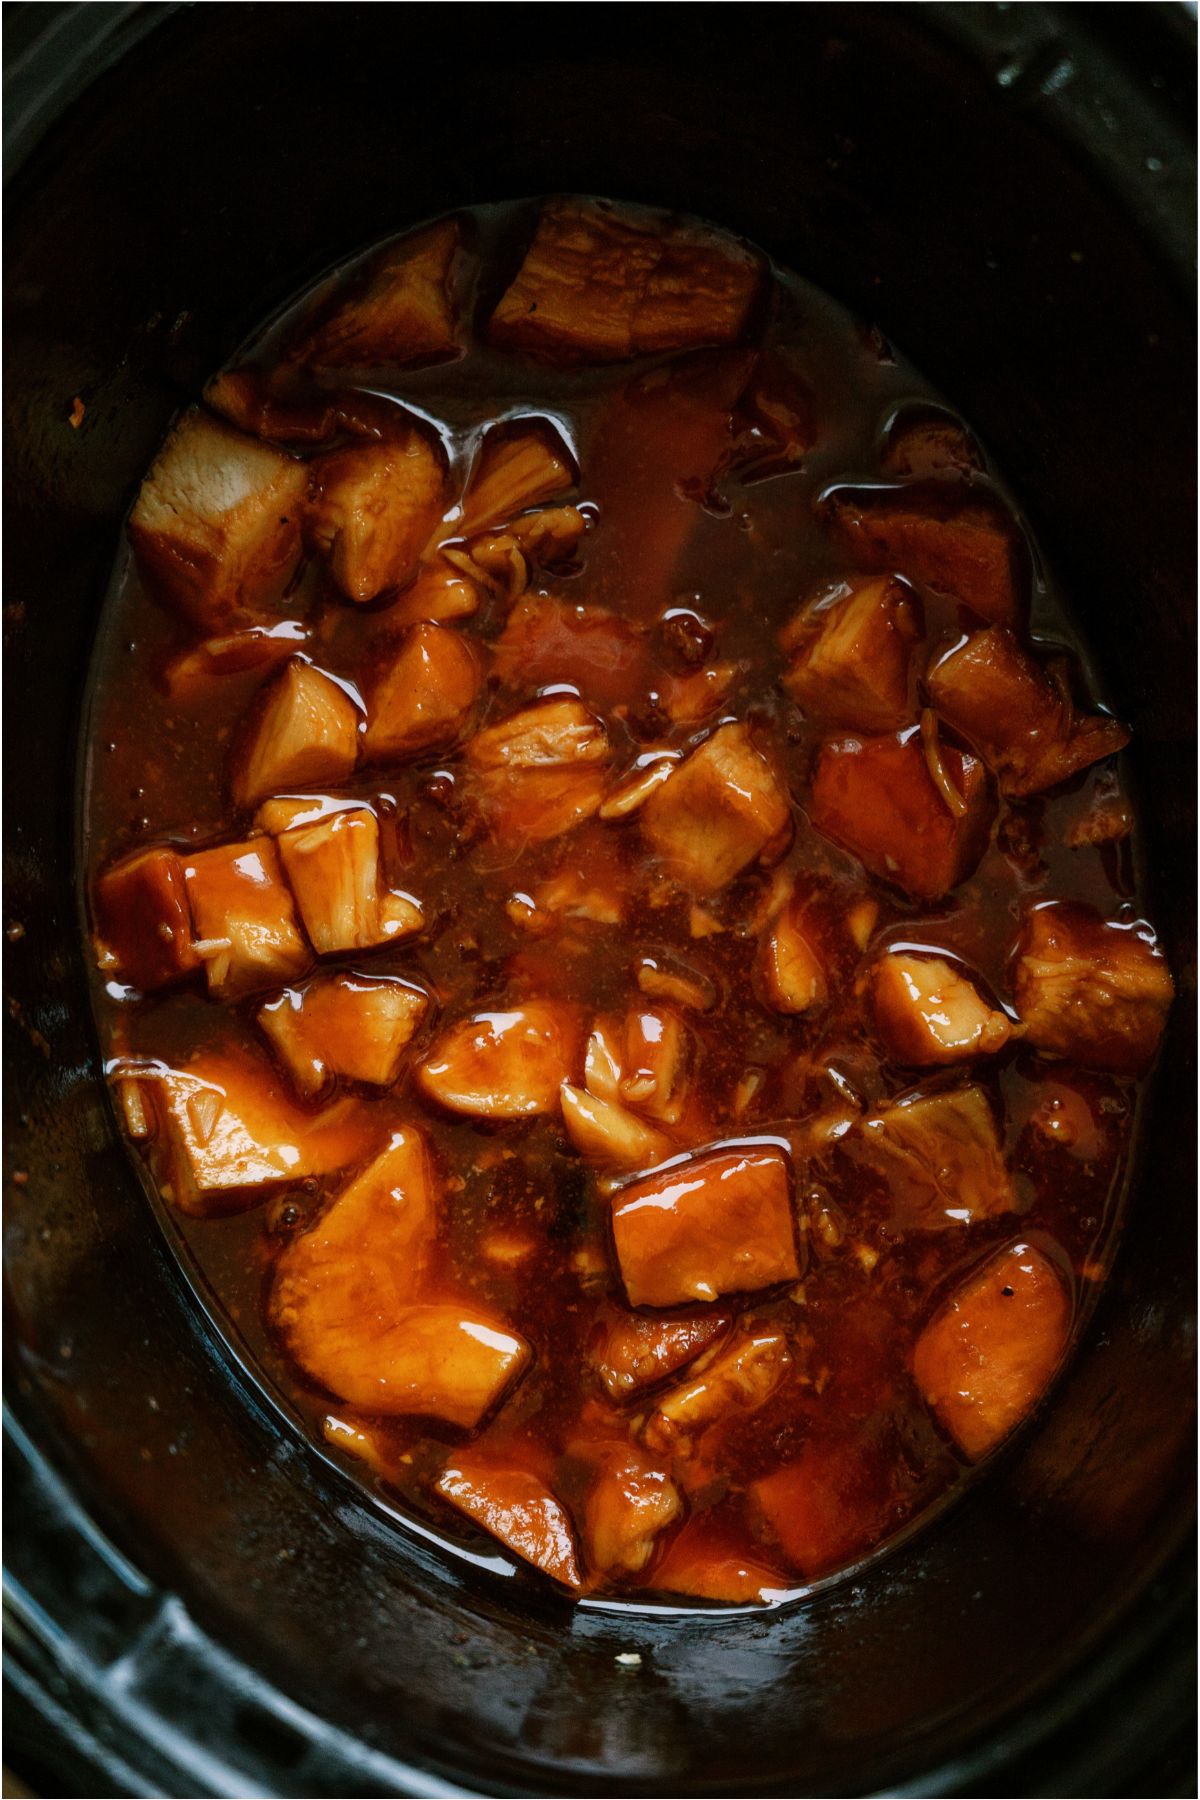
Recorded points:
(216, 526)
(630, 1501)
(792, 970)
(541, 771)
(738, 1377)
(706, 1563)
(876, 796)
(504, 1065)
(518, 1510)
(929, 1011)
(358, 1026)
(716, 812)
(517, 468)
(245, 923)
(304, 729)
(849, 653)
(942, 1156)
(831, 1503)
(984, 1360)
(600, 286)
(398, 310)
(719, 1223)
(632, 1352)
(336, 876)
(1092, 990)
(961, 548)
(144, 923)
(373, 509)
(421, 693)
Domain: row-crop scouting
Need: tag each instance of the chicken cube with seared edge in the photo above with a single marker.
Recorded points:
(143, 922)
(1095, 991)
(517, 1509)
(716, 812)
(928, 1010)
(954, 543)
(397, 309)
(374, 506)
(504, 1065)
(849, 653)
(303, 728)
(336, 875)
(942, 1155)
(541, 771)
(357, 1026)
(243, 917)
(420, 693)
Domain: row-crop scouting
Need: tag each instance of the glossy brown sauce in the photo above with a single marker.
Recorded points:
(706, 570)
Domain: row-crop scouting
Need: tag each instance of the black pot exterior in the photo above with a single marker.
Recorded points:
(201, 1604)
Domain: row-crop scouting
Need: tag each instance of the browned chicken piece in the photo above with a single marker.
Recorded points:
(542, 770)
(504, 1065)
(717, 1223)
(518, 1510)
(716, 812)
(517, 467)
(1092, 990)
(792, 970)
(691, 699)
(227, 1131)
(927, 444)
(216, 526)
(189, 676)
(422, 692)
(942, 1156)
(144, 926)
(398, 310)
(358, 1438)
(772, 424)
(737, 1377)
(879, 798)
(304, 728)
(706, 1563)
(929, 1011)
(341, 1303)
(358, 1026)
(1021, 722)
(629, 1503)
(960, 547)
(335, 874)
(373, 508)
(602, 286)
(986, 1358)
(655, 1063)
(849, 654)
(631, 1353)
(244, 920)
(259, 402)
(571, 895)
(440, 592)
(831, 1503)
(609, 1133)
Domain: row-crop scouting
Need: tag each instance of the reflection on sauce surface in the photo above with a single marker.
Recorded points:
(616, 916)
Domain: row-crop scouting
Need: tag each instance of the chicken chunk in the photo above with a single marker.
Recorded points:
(716, 812)
(216, 526)
(546, 642)
(397, 310)
(877, 797)
(1023, 725)
(830, 1504)
(188, 677)
(792, 971)
(269, 404)
(504, 1065)
(226, 1133)
(655, 1062)
(942, 1156)
(706, 1563)
(518, 1510)
(517, 467)
(928, 1011)
(341, 1302)
(629, 1503)
(440, 592)
(927, 443)
(304, 729)
(335, 874)
(601, 286)
(358, 1026)
(142, 919)
(421, 693)
(1092, 990)
(540, 771)
(739, 1377)
(610, 1133)
(718, 1223)
(849, 654)
(244, 918)
(957, 546)
(373, 509)
(986, 1358)
(773, 424)
(631, 1353)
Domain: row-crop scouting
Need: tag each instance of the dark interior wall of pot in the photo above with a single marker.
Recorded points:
(227, 157)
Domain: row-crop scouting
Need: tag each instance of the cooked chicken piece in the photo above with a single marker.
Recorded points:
(828, 1505)
(598, 286)
(216, 526)
(669, 978)
(876, 796)
(341, 1303)
(706, 1563)
(792, 970)
(143, 923)
(957, 546)
(518, 1509)
(1021, 723)
(260, 402)
(359, 1439)
(633, 792)
(773, 424)
(373, 508)
(737, 1377)
(542, 770)
(304, 728)
(691, 699)
(654, 1067)
(504, 1065)
(440, 592)
(718, 1223)
(244, 920)
(227, 1131)
(570, 895)
(421, 693)
(942, 1156)
(518, 467)
(716, 812)
(546, 641)
(398, 310)
(985, 1359)
(928, 1011)
(629, 1503)
(631, 1353)
(334, 870)
(930, 443)
(849, 653)
(1092, 990)
(353, 1025)
(188, 677)
(610, 1133)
